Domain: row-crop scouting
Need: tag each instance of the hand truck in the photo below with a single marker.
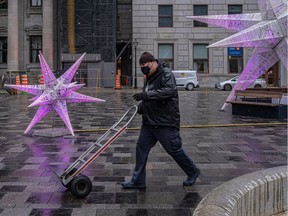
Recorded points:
(71, 178)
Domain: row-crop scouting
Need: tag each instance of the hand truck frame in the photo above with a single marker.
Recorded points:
(71, 178)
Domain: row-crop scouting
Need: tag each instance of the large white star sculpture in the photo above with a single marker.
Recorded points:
(266, 31)
(55, 93)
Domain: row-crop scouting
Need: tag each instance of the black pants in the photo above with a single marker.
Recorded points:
(169, 138)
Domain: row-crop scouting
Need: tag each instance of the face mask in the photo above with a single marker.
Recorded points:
(145, 70)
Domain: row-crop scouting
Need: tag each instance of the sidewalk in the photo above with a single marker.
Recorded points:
(222, 145)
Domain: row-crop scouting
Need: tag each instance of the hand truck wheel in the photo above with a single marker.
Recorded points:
(81, 186)
(67, 176)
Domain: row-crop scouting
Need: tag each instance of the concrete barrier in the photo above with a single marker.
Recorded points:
(261, 193)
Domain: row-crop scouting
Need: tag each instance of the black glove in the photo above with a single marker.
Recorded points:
(138, 96)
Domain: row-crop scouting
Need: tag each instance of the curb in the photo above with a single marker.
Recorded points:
(261, 193)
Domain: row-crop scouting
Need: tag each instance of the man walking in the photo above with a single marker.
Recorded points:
(160, 122)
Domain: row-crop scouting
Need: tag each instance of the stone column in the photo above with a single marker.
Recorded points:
(13, 43)
(47, 32)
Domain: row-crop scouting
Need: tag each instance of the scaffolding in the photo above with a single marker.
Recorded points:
(88, 26)
(3, 1)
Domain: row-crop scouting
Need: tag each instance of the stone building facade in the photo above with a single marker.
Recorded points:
(157, 26)
(26, 27)
(162, 27)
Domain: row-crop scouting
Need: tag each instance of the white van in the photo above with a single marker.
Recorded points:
(186, 78)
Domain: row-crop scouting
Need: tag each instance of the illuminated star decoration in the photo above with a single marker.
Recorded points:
(266, 31)
(55, 93)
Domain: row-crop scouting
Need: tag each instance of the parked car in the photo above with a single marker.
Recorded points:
(229, 84)
(187, 79)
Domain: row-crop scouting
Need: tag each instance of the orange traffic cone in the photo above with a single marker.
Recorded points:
(24, 79)
(17, 80)
(41, 79)
(118, 81)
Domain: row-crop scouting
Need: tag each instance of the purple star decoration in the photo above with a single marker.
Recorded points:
(55, 93)
(265, 31)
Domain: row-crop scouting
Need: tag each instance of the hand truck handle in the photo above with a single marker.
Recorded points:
(135, 107)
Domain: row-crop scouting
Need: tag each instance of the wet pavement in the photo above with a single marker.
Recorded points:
(223, 147)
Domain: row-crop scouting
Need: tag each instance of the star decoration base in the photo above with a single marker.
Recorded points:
(51, 132)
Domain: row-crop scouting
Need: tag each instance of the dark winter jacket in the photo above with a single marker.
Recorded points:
(160, 105)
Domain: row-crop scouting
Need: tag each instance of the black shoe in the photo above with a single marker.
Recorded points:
(132, 185)
(191, 179)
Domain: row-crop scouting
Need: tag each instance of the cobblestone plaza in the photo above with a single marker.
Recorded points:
(222, 145)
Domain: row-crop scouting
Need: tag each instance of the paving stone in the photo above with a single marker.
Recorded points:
(16, 212)
(91, 212)
(47, 211)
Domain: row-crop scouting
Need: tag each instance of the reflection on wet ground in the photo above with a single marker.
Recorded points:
(29, 187)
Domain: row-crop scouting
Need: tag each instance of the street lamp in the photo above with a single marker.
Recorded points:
(135, 43)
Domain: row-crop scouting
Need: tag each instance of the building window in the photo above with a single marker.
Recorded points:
(166, 54)
(200, 56)
(35, 3)
(35, 48)
(235, 54)
(3, 5)
(3, 50)
(165, 16)
(234, 9)
(200, 10)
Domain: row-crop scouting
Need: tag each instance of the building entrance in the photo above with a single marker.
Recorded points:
(235, 59)
(271, 76)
